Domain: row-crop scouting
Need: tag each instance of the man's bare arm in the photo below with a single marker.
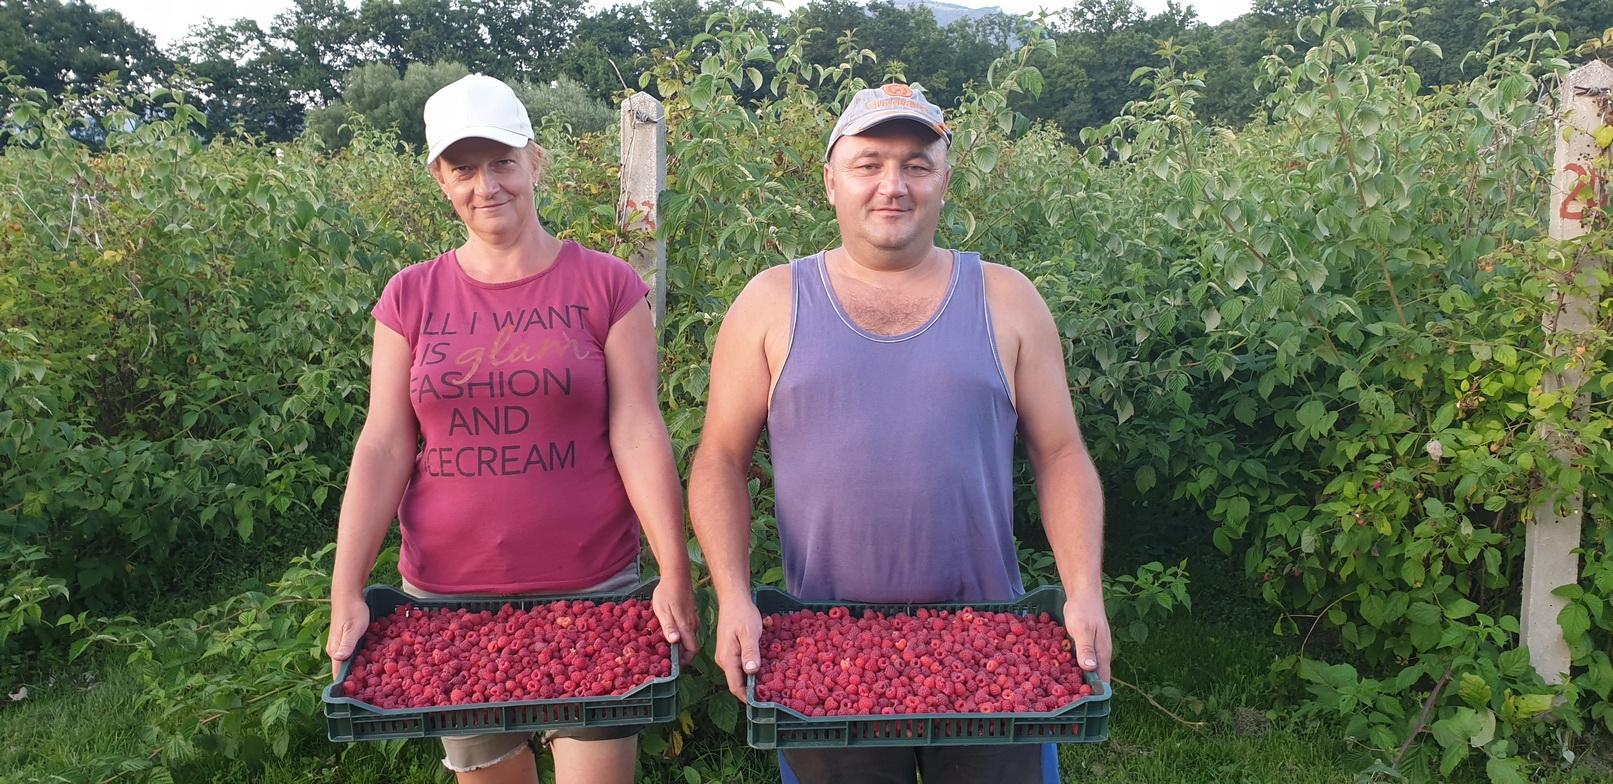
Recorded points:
(719, 501)
(1068, 489)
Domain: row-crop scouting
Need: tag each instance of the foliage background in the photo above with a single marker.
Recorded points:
(1319, 333)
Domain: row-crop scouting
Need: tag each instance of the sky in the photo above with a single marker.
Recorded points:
(168, 20)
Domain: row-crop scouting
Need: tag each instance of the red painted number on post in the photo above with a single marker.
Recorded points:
(1578, 202)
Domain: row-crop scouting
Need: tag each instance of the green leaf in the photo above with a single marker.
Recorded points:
(1485, 729)
(1453, 756)
(1513, 662)
(1523, 707)
(1146, 479)
(1574, 621)
(703, 92)
(1505, 770)
(1465, 727)
(1474, 690)
(1032, 79)
(1460, 608)
(1413, 573)
(1310, 414)
(723, 712)
(985, 157)
(1424, 637)
(1444, 417)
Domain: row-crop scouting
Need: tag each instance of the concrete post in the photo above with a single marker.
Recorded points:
(1576, 193)
(643, 126)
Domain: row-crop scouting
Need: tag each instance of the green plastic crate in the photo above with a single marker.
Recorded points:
(770, 725)
(348, 718)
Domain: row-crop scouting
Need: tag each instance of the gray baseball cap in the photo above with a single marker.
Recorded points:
(877, 105)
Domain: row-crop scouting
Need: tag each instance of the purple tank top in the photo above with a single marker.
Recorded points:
(893, 455)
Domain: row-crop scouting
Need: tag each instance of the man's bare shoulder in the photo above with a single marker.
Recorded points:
(764, 301)
(771, 286)
(1009, 292)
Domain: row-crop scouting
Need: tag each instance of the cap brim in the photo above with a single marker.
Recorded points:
(503, 136)
(880, 118)
(884, 116)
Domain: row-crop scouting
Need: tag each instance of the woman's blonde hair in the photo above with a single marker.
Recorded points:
(540, 161)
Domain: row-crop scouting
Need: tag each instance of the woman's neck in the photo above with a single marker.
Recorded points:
(503, 259)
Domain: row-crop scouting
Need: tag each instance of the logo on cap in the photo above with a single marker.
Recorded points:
(898, 90)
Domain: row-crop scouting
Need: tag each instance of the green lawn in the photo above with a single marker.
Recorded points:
(1215, 656)
(69, 730)
(1207, 666)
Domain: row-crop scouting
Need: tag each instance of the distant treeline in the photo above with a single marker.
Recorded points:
(322, 60)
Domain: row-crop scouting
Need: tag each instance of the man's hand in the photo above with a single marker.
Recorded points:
(673, 602)
(1088, 625)
(349, 617)
(739, 630)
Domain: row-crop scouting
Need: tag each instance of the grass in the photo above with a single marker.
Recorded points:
(1208, 667)
(69, 730)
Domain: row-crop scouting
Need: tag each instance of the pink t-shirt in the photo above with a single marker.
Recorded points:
(515, 489)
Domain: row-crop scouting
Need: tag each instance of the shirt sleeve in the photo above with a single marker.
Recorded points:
(393, 308)
(627, 290)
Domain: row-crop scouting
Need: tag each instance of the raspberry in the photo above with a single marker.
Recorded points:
(425, 657)
(840, 663)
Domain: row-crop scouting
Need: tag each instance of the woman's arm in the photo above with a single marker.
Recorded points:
(383, 461)
(643, 453)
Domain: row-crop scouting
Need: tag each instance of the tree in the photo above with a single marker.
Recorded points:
(567, 102)
(1100, 44)
(1289, 11)
(606, 50)
(907, 40)
(267, 80)
(526, 35)
(376, 93)
(315, 43)
(674, 22)
(57, 45)
(1229, 56)
(385, 100)
(507, 39)
(246, 83)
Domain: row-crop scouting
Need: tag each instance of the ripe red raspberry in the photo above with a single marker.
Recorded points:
(419, 658)
(840, 663)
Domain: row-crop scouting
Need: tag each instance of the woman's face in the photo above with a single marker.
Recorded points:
(490, 185)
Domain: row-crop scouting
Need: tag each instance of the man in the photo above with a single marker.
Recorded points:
(891, 376)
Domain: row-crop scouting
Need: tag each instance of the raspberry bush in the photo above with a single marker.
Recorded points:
(1320, 331)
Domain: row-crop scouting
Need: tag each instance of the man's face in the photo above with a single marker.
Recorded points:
(886, 185)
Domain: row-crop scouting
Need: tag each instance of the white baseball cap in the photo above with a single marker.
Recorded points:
(475, 106)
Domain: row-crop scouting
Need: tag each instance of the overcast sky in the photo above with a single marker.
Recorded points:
(169, 19)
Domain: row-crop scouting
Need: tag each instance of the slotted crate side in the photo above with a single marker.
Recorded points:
(771, 725)
(350, 719)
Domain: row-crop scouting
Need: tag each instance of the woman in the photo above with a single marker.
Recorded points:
(513, 426)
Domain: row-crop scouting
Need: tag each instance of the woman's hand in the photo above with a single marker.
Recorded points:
(349, 617)
(673, 602)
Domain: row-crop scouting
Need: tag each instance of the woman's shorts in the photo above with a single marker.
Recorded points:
(473, 752)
